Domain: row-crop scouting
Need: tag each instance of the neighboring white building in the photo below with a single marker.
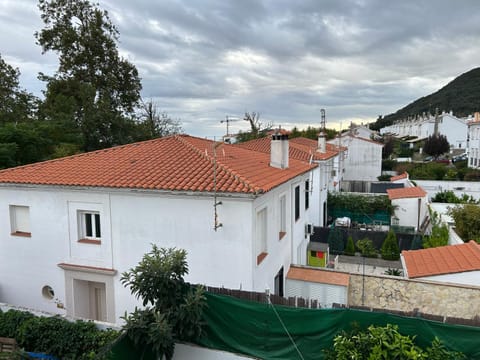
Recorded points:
(326, 177)
(410, 206)
(455, 129)
(473, 145)
(363, 161)
(457, 264)
(71, 226)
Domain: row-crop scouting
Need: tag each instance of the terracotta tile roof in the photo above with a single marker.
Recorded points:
(318, 276)
(299, 148)
(403, 193)
(178, 162)
(442, 260)
(399, 177)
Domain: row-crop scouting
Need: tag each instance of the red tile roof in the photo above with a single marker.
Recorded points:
(178, 162)
(399, 177)
(299, 148)
(404, 193)
(442, 260)
(318, 276)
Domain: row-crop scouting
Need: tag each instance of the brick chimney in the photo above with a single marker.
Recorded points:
(279, 151)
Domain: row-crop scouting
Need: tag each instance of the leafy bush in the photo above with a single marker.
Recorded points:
(449, 196)
(393, 272)
(360, 203)
(55, 335)
(385, 343)
(467, 221)
(390, 249)
(350, 248)
(366, 248)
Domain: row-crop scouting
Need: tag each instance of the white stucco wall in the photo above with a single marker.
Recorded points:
(432, 187)
(410, 211)
(131, 221)
(465, 278)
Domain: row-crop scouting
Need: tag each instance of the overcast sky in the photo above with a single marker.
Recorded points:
(286, 59)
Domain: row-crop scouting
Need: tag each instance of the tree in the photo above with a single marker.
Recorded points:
(467, 221)
(366, 248)
(388, 146)
(101, 88)
(16, 105)
(335, 241)
(390, 250)
(173, 308)
(350, 248)
(155, 124)
(436, 145)
(257, 128)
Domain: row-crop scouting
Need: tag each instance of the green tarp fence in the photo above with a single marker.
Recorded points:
(378, 217)
(252, 328)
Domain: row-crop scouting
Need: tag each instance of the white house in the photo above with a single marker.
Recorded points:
(455, 129)
(411, 207)
(458, 264)
(326, 177)
(363, 161)
(473, 145)
(71, 226)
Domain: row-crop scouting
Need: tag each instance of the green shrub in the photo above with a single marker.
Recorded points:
(350, 248)
(366, 248)
(55, 335)
(390, 250)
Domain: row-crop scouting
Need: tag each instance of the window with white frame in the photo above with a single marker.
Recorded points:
(261, 235)
(20, 220)
(283, 216)
(89, 227)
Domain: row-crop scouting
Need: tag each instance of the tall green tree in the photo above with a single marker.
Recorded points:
(94, 88)
(16, 104)
(390, 249)
(173, 308)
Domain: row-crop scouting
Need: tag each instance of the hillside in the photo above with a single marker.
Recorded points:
(461, 95)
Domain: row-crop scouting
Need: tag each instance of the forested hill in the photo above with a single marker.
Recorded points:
(461, 95)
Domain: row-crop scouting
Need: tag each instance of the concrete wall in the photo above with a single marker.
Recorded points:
(410, 211)
(395, 293)
(364, 159)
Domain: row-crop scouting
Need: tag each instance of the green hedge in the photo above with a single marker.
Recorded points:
(55, 335)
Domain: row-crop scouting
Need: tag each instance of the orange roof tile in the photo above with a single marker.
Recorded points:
(403, 193)
(442, 260)
(318, 276)
(178, 162)
(399, 177)
(299, 148)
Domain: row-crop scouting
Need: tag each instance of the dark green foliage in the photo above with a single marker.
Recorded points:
(173, 308)
(390, 249)
(384, 177)
(460, 95)
(388, 165)
(366, 248)
(359, 203)
(312, 133)
(436, 145)
(467, 221)
(393, 272)
(388, 146)
(55, 336)
(428, 171)
(350, 248)
(335, 241)
(385, 343)
(449, 196)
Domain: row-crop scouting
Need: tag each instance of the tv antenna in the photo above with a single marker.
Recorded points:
(228, 120)
(322, 122)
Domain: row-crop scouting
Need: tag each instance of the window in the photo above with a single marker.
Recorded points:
(307, 194)
(297, 203)
(89, 227)
(283, 217)
(20, 220)
(261, 235)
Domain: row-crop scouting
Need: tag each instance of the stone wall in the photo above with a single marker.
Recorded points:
(399, 294)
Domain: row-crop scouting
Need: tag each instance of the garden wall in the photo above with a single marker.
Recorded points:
(395, 293)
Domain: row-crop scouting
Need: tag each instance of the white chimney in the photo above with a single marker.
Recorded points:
(322, 143)
(279, 151)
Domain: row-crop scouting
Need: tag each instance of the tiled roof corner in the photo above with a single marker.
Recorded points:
(404, 193)
(399, 177)
(442, 260)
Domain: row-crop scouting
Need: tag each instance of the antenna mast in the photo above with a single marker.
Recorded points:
(322, 123)
(228, 120)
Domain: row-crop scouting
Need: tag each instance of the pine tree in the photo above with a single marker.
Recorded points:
(390, 250)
